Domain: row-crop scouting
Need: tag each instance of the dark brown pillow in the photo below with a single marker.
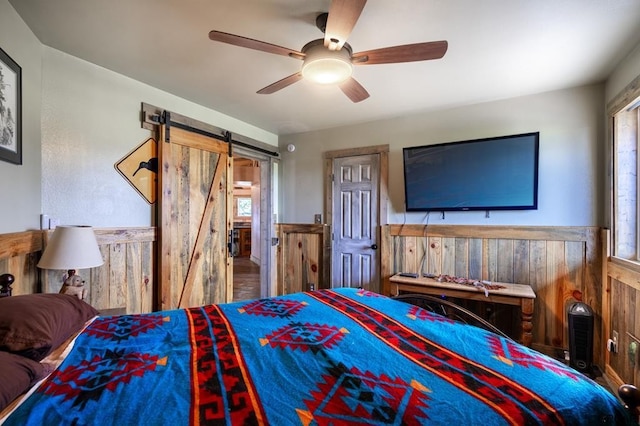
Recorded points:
(18, 375)
(32, 325)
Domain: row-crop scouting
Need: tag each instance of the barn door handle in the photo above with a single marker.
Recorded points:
(374, 247)
(230, 243)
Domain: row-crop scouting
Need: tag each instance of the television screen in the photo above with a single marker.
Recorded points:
(499, 173)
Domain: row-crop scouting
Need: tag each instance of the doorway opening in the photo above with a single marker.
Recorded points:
(254, 211)
(246, 228)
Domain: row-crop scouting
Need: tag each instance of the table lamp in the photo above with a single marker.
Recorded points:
(71, 248)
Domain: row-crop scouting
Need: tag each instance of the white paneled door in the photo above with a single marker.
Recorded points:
(355, 260)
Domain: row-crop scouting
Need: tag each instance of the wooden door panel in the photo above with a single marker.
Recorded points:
(194, 264)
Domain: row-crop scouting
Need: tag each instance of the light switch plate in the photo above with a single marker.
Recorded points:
(44, 221)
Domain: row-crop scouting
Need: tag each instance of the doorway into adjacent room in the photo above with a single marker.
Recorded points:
(246, 227)
(254, 200)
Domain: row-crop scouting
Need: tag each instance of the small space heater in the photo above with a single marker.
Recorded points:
(581, 337)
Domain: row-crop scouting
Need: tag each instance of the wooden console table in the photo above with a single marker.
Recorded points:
(512, 294)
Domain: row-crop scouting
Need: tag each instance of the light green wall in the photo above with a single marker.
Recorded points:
(79, 119)
(574, 186)
(20, 184)
(623, 74)
(570, 125)
(90, 120)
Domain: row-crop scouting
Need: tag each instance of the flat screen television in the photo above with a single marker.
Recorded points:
(499, 173)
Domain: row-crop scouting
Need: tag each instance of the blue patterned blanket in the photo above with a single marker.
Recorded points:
(321, 358)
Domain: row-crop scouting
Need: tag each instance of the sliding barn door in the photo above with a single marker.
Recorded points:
(194, 217)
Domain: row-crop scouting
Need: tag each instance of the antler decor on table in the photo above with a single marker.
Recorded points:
(481, 284)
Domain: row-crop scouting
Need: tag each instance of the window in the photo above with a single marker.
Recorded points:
(243, 206)
(626, 167)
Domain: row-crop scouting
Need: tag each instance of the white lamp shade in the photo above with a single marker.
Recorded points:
(71, 247)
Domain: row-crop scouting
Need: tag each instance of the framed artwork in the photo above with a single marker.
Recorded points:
(140, 168)
(10, 109)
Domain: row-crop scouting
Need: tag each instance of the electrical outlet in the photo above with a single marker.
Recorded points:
(612, 343)
(317, 218)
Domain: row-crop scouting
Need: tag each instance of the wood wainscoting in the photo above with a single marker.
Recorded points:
(127, 278)
(19, 254)
(562, 264)
(125, 282)
(304, 257)
(622, 314)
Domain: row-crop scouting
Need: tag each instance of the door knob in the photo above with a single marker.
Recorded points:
(374, 247)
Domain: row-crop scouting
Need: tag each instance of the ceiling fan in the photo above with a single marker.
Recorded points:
(330, 60)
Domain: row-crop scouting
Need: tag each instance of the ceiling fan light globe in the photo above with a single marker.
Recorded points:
(327, 70)
(325, 66)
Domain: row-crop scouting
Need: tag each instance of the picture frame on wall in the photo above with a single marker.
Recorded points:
(10, 109)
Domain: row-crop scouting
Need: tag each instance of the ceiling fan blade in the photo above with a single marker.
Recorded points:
(250, 43)
(354, 90)
(280, 84)
(404, 53)
(343, 15)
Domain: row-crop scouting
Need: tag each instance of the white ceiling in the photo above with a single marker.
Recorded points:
(497, 49)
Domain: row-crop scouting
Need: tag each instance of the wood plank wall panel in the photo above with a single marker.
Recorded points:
(125, 280)
(559, 263)
(19, 254)
(302, 257)
(623, 293)
(562, 264)
(624, 311)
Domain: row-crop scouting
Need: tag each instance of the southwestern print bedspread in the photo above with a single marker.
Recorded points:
(321, 358)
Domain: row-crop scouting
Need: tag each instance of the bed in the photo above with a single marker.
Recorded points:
(327, 357)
